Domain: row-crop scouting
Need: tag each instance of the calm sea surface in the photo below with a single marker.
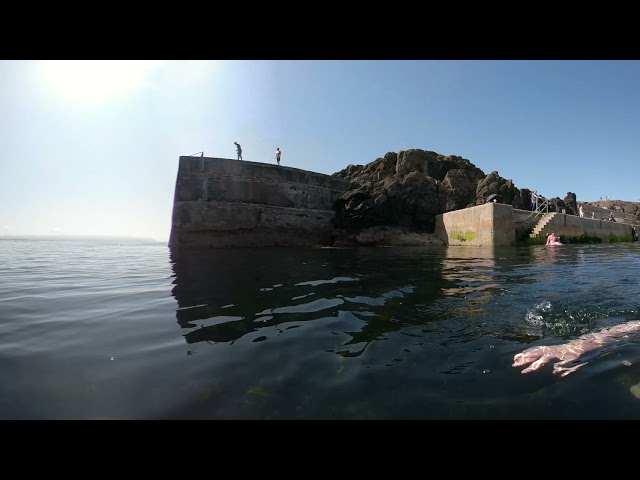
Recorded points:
(105, 329)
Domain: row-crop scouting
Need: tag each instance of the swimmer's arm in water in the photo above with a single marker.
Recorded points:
(568, 352)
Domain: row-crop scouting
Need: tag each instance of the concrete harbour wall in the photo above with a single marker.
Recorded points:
(222, 202)
(488, 224)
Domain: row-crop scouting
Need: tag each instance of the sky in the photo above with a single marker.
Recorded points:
(91, 147)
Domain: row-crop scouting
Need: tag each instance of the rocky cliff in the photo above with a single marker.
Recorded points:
(619, 206)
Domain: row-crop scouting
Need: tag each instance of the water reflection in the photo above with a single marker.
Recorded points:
(224, 295)
(365, 294)
(314, 333)
(520, 294)
(470, 270)
(329, 333)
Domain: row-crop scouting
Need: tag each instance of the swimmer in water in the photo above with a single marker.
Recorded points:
(553, 239)
(568, 352)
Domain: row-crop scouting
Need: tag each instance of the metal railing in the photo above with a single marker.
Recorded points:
(542, 207)
(197, 153)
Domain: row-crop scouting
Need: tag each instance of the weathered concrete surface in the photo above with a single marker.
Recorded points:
(572, 226)
(488, 224)
(495, 224)
(222, 202)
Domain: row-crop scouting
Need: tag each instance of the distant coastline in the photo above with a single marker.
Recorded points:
(81, 237)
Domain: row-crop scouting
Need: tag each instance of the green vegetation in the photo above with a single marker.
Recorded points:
(527, 240)
(463, 236)
(621, 238)
(584, 238)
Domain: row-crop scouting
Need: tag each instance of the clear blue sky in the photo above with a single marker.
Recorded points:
(92, 147)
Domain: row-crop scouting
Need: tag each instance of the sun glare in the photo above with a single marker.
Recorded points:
(96, 81)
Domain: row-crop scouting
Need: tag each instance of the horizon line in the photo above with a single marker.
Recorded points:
(66, 235)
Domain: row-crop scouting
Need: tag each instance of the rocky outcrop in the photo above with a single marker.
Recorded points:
(385, 235)
(619, 206)
(410, 188)
(569, 204)
(504, 190)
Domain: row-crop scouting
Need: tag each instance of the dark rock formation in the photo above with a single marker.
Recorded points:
(382, 235)
(619, 206)
(410, 188)
(625, 212)
(569, 204)
(504, 189)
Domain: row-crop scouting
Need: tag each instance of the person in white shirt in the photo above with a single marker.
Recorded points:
(278, 155)
(534, 200)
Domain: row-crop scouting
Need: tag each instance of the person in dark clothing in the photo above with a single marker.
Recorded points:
(238, 150)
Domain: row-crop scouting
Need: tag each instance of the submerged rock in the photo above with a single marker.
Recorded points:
(386, 236)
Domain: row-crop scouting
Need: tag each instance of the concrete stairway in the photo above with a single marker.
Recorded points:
(546, 218)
